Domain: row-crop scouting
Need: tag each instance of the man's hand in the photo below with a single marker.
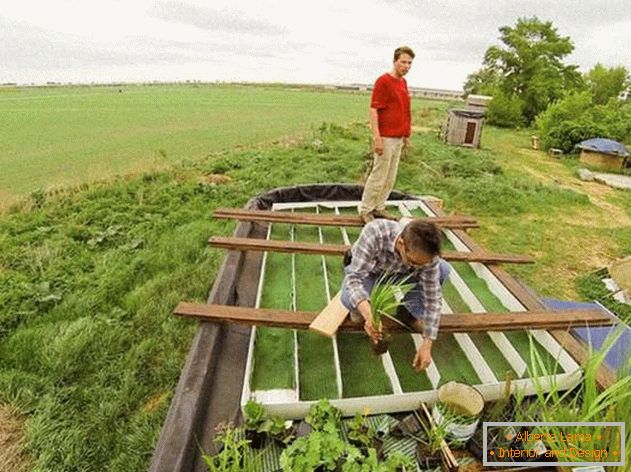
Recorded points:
(364, 309)
(377, 145)
(406, 144)
(374, 334)
(423, 357)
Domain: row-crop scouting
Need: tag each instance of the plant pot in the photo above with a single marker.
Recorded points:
(377, 444)
(409, 425)
(257, 440)
(381, 346)
(426, 458)
(459, 399)
(286, 437)
(302, 429)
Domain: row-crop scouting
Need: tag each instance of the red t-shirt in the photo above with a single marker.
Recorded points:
(391, 100)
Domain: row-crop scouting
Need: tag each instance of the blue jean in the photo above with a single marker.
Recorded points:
(413, 300)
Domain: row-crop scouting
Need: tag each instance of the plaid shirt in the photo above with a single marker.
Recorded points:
(374, 253)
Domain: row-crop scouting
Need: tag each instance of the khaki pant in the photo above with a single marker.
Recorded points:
(382, 176)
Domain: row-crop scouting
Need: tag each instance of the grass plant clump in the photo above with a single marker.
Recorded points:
(233, 456)
(385, 298)
(586, 403)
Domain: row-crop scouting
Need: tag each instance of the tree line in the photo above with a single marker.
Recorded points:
(531, 85)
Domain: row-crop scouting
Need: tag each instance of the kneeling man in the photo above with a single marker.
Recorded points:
(402, 250)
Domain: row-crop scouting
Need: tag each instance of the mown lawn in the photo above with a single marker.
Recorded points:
(89, 350)
(52, 137)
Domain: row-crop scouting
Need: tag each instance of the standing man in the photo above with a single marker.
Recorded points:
(390, 123)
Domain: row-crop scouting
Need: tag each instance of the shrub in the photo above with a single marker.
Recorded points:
(575, 118)
(505, 111)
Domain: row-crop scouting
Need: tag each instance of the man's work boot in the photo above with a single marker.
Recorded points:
(384, 214)
(366, 217)
(406, 318)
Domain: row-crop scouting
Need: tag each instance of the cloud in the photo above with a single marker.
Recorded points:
(214, 20)
(283, 40)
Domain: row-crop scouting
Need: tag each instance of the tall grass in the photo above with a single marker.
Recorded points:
(586, 403)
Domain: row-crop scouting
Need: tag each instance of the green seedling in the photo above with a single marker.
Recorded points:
(384, 299)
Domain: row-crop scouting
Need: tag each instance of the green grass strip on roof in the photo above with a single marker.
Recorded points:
(315, 352)
(316, 369)
(274, 359)
(362, 371)
(402, 351)
(451, 361)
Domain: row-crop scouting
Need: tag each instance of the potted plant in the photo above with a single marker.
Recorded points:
(363, 436)
(280, 430)
(254, 417)
(384, 301)
(258, 428)
(323, 416)
(320, 451)
(408, 426)
(428, 450)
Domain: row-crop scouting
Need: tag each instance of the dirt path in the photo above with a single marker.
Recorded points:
(12, 459)
(550, 170)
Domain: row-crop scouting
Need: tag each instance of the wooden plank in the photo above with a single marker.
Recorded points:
(247, 244)
(329, 320)
(455, 323)
(270, 216)
(574, 346)
(449, 461)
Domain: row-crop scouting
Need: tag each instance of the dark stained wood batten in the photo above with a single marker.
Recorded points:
(450, 323)
(247, 244)
(270, 216)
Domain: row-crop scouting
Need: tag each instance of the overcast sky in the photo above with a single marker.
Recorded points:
(324, 41)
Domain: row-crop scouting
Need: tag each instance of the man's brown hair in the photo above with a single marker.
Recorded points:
(403, 50)
(423, 236)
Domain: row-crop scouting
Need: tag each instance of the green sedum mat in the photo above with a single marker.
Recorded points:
(315, 352)
(274, 358)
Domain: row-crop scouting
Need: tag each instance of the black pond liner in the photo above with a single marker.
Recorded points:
(208, 392)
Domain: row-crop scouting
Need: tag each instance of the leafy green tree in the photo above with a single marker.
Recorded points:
(530, 66)
(606, 83)
(484, 81)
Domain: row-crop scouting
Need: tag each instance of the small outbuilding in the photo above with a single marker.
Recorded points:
(603, 153)
(464, 127)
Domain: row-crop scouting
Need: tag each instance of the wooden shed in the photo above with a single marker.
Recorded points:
(603, 154)
(464, 127)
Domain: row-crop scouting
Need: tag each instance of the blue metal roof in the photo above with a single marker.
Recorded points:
(606, 146)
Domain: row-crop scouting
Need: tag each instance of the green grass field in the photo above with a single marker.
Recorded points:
(71, 135)
(89, 351)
